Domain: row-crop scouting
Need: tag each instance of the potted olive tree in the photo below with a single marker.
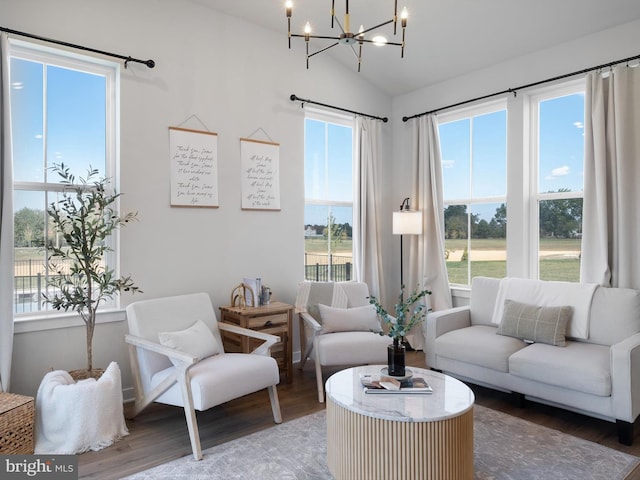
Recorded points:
(79, 280)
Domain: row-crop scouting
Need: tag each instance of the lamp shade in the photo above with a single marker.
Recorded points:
(407, 222)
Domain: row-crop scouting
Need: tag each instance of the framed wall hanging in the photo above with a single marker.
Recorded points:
(194, 168)
(260, 174)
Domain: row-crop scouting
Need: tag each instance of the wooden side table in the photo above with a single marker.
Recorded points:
(275, 318)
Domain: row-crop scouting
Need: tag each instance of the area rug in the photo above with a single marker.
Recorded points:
(505, 448)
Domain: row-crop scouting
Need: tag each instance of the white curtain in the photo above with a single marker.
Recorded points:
(427, 265)
(6, 222)
(611, 230)
(367, 254)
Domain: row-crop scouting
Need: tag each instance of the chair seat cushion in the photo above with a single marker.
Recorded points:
(580, 366)
(351, 348)
(478, 345)
(220, 378)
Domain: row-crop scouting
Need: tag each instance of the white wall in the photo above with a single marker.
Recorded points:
(236, 78)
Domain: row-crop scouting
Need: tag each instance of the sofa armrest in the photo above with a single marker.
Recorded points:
(625, 378)
(440, 322)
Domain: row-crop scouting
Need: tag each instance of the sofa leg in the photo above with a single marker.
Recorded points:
(625, 432)
(518, 399)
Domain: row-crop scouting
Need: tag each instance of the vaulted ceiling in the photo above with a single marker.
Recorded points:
(444, 39)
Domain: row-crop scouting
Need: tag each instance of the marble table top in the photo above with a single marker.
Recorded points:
(450, 397)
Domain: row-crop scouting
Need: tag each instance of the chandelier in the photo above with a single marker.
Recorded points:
(347, 37)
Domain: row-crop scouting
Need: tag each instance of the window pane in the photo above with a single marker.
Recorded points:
(488, 251)
(490, 154)
(29, 225)
(328, 243)
(27, 120)
(456, 244)
(561, 144)
(455, 149)
(560, 239)
(315, 177)
(76, 120)
(328, 161)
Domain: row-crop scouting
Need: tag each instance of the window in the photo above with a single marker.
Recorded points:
(558, 154)
(473, 146)
(63, 110)
(543, 186)
(328, 186)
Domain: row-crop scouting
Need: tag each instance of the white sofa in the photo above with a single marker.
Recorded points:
(597, 375)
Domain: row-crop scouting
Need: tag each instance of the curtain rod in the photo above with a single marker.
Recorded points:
(127, 59)
(522, 87)
(294, 97)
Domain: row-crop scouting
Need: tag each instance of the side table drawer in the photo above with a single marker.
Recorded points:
(267, 321)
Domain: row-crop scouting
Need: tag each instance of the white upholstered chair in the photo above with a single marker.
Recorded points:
(356, 345)
(170, 375)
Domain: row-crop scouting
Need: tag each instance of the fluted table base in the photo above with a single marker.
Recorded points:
(361, 447)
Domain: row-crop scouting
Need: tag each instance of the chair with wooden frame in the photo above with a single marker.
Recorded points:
(171, 376)
(344, 348)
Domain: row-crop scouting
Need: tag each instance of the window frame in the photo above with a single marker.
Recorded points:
(24, 50)
(534, 99)
(468, 112)
(343, 120)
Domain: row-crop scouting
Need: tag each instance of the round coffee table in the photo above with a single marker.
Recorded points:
(399, 436)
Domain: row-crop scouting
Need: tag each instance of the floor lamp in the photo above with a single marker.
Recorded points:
(406, 222)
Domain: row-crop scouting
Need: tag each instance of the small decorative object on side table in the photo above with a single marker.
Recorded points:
(274, 318)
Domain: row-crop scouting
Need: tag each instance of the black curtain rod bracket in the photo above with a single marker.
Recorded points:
(293, 97)
(529, 85)
(126, 58)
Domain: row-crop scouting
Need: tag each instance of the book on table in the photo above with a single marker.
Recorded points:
(380, 384)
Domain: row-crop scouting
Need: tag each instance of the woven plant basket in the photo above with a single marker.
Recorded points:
(83, 374)
(17, 414)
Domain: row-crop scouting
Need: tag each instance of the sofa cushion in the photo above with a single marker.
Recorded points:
(357, 319)
(484, 291)
(549, 294)
(533, 323)
(351, 348)
(197, 340)
(580, 366)
(478, 345)
(615, 315)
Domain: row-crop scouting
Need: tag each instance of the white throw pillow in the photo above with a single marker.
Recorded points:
(197, 340)
(357, 319)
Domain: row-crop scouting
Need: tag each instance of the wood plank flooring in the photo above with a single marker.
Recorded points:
(159, 434)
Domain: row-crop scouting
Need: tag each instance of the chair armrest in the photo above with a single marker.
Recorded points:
(310, 322)
(264, 349)
(440, 322)
(161, 349)
(625, 378)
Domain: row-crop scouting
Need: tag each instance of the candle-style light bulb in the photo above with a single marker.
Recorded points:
(307, 30)
(288, 5)
(403, 17)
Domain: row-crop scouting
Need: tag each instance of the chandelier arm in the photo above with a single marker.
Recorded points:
(322, 37)
(386, 43)
(377, 26)
(324, 49)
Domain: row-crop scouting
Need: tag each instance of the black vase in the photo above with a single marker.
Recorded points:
(396, 359)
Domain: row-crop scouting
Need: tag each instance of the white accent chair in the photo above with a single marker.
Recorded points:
(346, 348)
(170, 376)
